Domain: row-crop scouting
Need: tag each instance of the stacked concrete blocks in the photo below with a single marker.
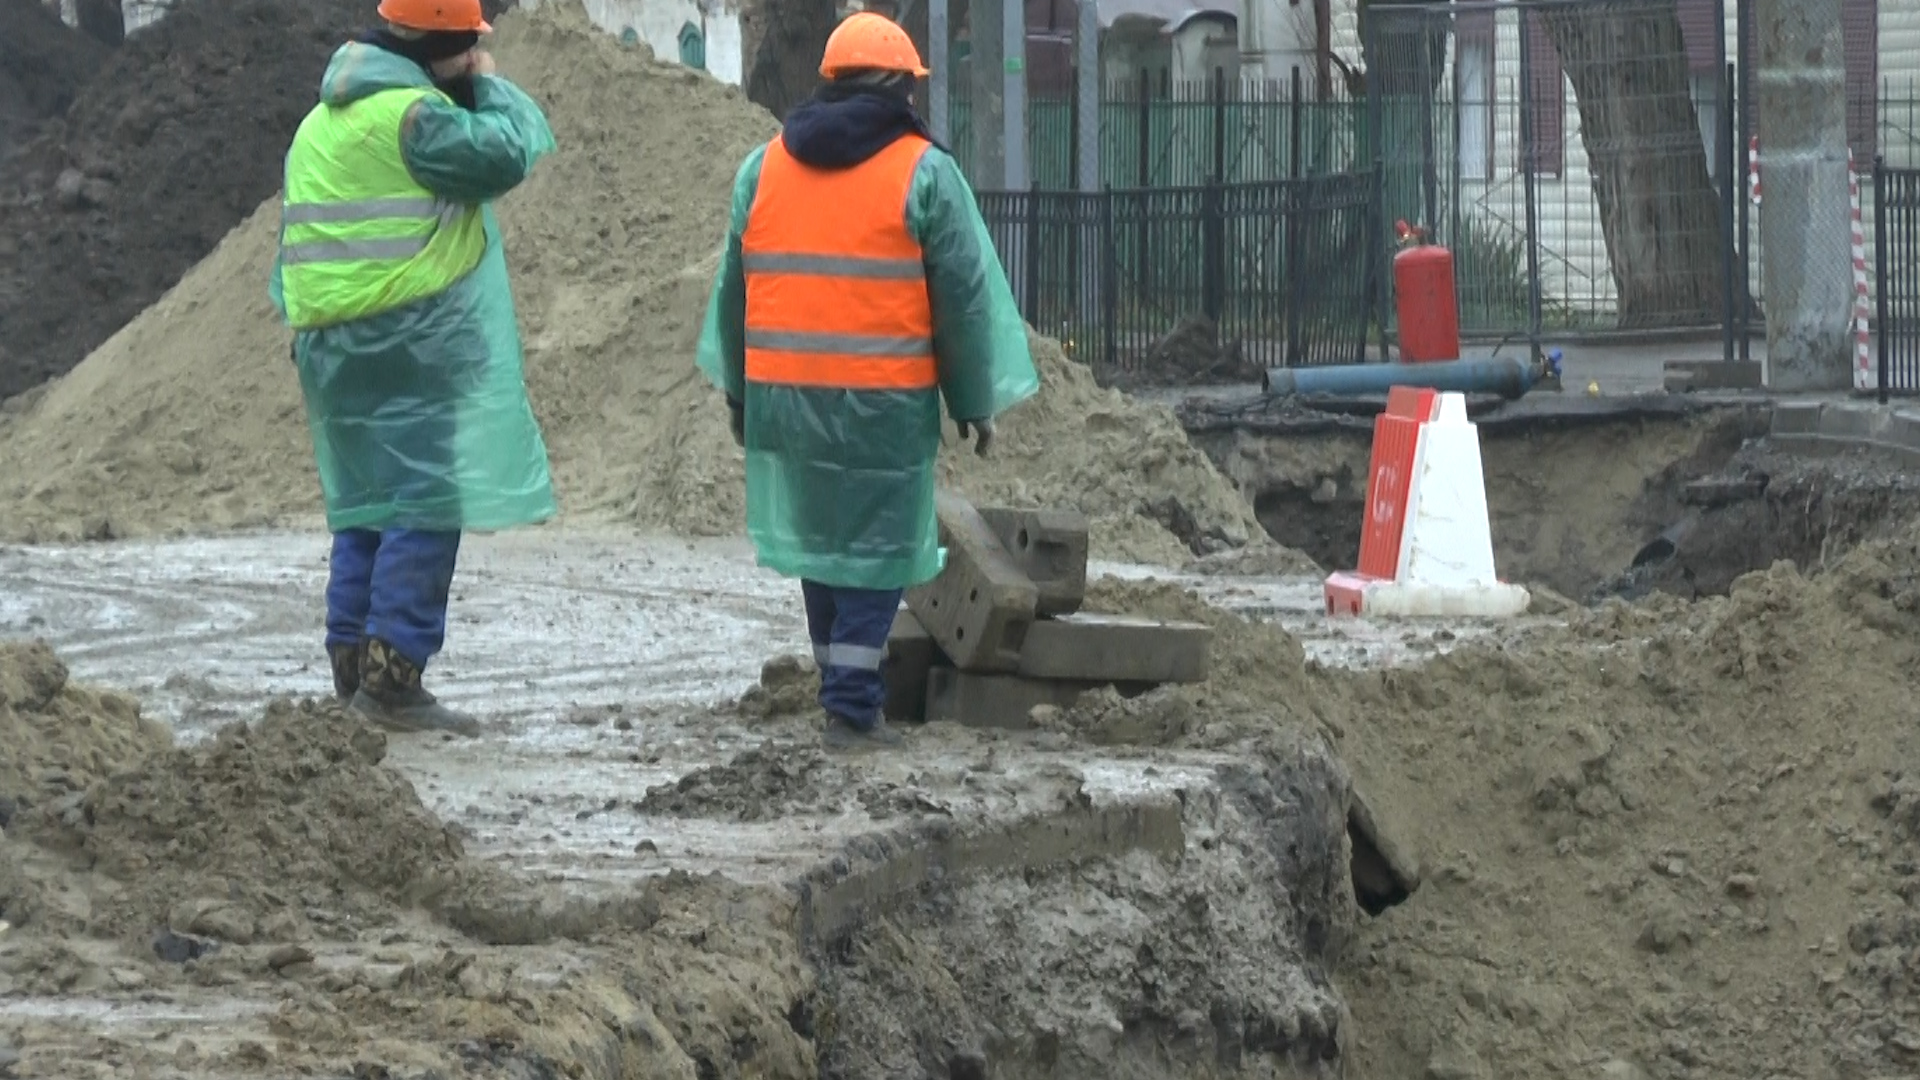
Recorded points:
(998, 632)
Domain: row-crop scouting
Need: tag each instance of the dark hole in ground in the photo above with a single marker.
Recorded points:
(1570, 506)
(1771, 504)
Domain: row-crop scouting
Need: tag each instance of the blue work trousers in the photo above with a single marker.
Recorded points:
(391, 585)
(849, 628)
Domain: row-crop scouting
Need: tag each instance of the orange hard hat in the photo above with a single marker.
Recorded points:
(453, 16)
(865, 41)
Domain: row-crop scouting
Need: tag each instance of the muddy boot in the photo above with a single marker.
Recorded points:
(841, 734)
(346, 670)
(391, 696)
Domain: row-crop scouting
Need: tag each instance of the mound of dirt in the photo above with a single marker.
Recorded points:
(59, 737)
(259, 833)
(1672, 840)
(43, 64)
(190, 418)
(174, 141)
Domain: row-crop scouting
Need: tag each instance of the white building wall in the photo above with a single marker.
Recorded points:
(658, 23)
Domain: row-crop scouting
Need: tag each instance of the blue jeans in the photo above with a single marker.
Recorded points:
(392, 585)
(849, 628)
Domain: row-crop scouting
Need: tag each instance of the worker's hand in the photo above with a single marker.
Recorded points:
(479, 62)
(982, 434)
(737, 423)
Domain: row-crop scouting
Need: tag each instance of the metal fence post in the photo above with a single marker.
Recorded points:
(1378, 264)
(1032, 289)
(1724, 137)
(940, 59)
(1880, 266)
(1530, 169)
(1110, 274)
(1219, 125)
(1290, 215)
(1744, 35)
(1212, 253)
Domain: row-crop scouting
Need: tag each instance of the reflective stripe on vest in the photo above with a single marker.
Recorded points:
(836, 286)
(358, 235)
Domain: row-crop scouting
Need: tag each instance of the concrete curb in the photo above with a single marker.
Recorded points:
(1835, 426)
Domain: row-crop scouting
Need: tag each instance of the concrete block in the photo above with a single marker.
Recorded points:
(996, 701)
(1116, 648)
(911, 653)
(1796, 418)
(1685, 375)
(979, 609)
(1050, 547)
(1903, 429)
(1851, 421)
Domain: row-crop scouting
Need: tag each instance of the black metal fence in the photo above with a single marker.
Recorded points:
(1184, 284)
(1896, 276)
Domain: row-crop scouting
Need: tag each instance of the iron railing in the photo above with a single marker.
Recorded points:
(1183, 284)
(1896, 276)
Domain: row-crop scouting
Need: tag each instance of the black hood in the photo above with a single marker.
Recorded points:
(842, 126)
(425, 51)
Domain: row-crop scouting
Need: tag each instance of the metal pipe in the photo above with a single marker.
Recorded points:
(1510, 377)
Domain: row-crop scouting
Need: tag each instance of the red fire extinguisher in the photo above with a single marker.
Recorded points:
(1424, 299)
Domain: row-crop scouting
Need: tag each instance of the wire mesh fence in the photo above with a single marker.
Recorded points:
(1186, 284)
(1578, 153)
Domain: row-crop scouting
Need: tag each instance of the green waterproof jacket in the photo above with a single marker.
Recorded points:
(419, 414)
(840, 483)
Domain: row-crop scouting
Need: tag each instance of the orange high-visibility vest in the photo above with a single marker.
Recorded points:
(836, 289)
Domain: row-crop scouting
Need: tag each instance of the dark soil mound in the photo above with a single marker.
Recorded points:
(176, 140)
(42, 65)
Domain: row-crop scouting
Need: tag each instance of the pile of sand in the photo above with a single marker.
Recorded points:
(1672, 840)
(189, 419)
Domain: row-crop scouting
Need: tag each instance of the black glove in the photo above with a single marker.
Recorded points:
(737, 422)
(982, 434)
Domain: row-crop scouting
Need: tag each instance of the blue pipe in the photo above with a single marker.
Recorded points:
(1510, 377)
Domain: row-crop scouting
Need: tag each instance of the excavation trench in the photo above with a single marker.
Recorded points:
(1597, 507)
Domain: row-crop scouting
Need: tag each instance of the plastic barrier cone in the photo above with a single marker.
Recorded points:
(1425, 547)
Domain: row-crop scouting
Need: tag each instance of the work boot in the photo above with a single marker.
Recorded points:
(391, 695)
(346, 670)
(841, 734)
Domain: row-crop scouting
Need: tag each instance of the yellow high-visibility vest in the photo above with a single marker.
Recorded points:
(358, 235)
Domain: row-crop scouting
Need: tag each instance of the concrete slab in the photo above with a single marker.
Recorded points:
(1791, 418)
(911, 653)
(979, 609)
(996, 701)
(1852, 421)
(1050, 547)
(1116, 648)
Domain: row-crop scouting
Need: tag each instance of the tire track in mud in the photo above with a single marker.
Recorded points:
(206, 631)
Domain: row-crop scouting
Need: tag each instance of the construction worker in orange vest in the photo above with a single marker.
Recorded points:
(858, 289)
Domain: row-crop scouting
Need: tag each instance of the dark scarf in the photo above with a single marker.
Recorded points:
(844, 125)
(427, 51)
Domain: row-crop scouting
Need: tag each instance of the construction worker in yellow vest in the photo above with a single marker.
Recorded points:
(391, 274)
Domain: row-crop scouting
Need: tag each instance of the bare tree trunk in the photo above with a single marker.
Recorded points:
(1659, 212)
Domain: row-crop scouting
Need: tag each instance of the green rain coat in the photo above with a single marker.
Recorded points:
(419, 414)
(840, 483)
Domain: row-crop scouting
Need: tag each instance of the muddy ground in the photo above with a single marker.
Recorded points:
(1670, 839)
(622, 874)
